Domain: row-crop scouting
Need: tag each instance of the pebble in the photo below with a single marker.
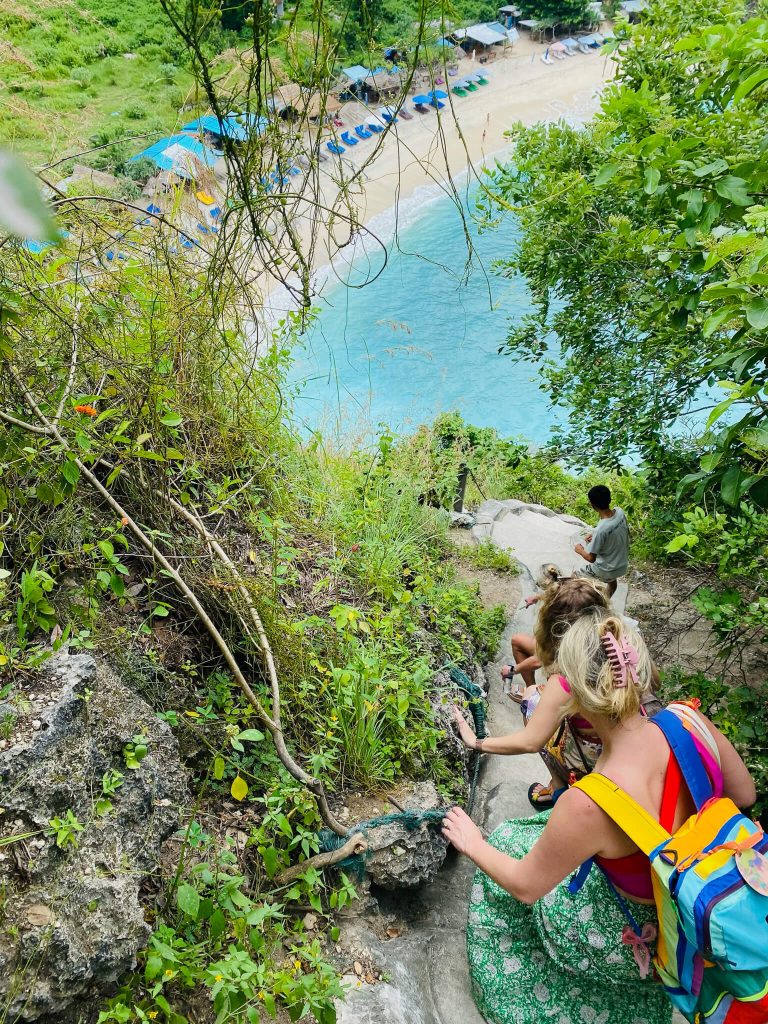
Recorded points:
(36, 724)
(357, 967)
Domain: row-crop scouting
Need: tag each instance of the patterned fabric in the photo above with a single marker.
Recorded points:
(560, 960)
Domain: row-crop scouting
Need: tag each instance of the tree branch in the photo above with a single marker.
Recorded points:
(356, 843)
(273, 726)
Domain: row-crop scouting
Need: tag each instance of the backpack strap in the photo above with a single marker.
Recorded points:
(687, 755)
(631, 818)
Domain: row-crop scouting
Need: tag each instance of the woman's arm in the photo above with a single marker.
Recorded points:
(576, 830)
(542, 725)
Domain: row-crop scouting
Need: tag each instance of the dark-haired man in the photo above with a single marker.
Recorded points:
(607, 551)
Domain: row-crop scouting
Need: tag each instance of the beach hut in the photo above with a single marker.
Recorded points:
(633, 8)
(234, 126)
(480, 36)
(286, 101)
(508, 16)
(319, 107)
(366, 84)
(182, 155)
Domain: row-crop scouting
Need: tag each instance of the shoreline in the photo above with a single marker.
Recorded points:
(440, 153)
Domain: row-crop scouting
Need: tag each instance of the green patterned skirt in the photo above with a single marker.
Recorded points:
(560, 960)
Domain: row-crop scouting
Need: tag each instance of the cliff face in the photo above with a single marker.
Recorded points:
(72, 922)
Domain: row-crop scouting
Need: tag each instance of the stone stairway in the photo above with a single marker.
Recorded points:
(428, 980)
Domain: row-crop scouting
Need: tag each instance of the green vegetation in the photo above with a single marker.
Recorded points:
(67, 79)
(486, 555)
(154, 496)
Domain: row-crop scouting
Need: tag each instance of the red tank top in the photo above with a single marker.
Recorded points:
(632, 874)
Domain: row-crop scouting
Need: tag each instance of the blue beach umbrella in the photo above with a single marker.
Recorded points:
(438, 94)
(423, 99)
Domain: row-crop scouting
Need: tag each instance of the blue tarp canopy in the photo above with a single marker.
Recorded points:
(443, 42)
(234, 126)
(495, 26)
(357, 73)
(176, 153)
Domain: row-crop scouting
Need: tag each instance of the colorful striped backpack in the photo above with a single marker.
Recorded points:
(710, 884)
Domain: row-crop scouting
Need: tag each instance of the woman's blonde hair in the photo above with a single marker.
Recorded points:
(585, 663)
(561, 605)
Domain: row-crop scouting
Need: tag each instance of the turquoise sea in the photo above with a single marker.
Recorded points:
(415, 331)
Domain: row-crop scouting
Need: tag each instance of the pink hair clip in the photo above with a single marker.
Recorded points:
(622, 657)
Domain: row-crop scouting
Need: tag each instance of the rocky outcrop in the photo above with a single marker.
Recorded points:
(403, 858)
(71, 922)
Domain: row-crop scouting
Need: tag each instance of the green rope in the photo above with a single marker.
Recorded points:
(475, 699)
(411, 820)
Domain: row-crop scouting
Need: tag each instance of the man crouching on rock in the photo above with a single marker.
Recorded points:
(607, 551)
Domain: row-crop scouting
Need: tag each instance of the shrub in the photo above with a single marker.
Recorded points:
(138, 170)
(135, 112)
(739, 713)
(486, 555)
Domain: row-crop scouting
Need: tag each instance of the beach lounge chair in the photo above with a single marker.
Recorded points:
(215, 212)
(187, 243)
(348, 139)
(205, 198)
(405, 115)
(152, 208)
(557, 50)
(545, 58)
(422, 108)
(458, 90)
(471, 86)
(203, 229)
(362, 132)
(389, 118)
(338, 150)
(375, 127)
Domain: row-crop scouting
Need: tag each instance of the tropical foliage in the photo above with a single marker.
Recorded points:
(645, 246)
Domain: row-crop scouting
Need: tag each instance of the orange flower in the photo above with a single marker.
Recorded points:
(86, 410)
(124, 521)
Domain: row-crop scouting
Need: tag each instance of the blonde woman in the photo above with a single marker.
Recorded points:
(536, 952)
(568, 744)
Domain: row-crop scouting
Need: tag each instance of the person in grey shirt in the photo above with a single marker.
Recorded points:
(607, 551)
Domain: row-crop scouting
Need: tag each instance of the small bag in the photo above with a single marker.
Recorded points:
(710, 884)
(575, 755)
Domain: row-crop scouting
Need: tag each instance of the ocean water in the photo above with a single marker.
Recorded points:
(410, 324)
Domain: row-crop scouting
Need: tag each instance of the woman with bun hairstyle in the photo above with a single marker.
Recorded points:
(536, 952)
(568, 745)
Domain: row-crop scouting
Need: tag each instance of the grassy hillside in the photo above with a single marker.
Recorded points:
(66, 77)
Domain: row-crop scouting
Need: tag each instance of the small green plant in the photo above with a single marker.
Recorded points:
(7, 723)
(110, 783)
(486, 555)
(33, 609)
(66, 830)
(135, 751)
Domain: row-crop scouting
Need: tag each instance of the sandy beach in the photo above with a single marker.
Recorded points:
(437, 147)
(434, 149)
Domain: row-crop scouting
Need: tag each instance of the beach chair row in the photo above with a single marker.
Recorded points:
(361, 132)
(565, 48)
